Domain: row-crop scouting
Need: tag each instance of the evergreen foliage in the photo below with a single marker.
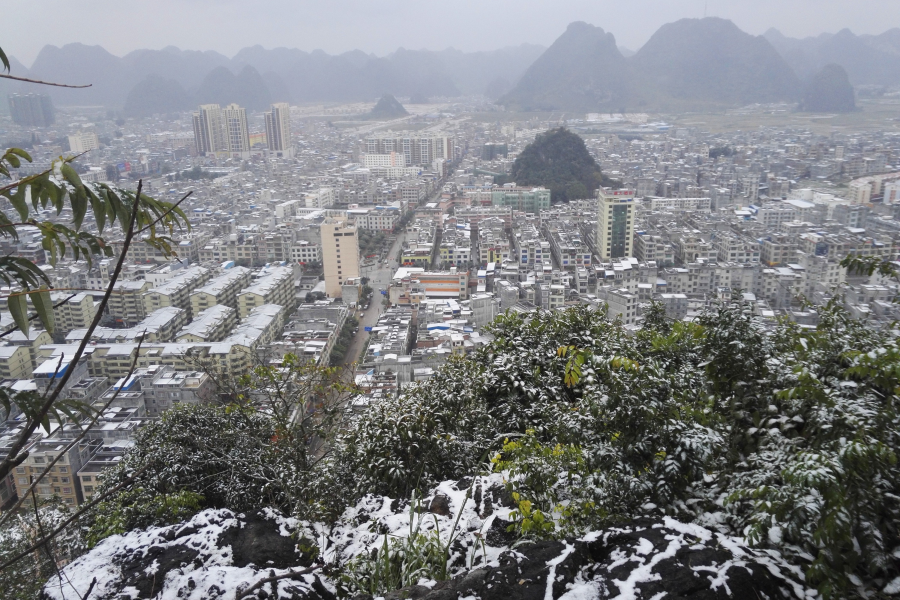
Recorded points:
(785, 435)
(559, 161)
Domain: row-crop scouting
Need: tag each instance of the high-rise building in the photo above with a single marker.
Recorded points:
(83, 141)
(209, 129)
(615, 223)
(417, 150)
(35, 110)
(236, 128)
(278, 128)
(218, 129)
(340, 254)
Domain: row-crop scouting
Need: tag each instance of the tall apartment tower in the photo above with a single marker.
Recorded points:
(34, 110)
(209, 129)
(238, 135)
(278, 128)
(340, 254)
(615, 223)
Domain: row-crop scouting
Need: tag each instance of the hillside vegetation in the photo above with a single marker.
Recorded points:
(783, 436)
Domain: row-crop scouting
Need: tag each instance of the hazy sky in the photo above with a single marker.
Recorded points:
(381, 27)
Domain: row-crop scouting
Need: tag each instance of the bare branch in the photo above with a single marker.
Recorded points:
(79, 437)
(35, 316)
(259, 584)
(167, 213)
(38, 81)
(77, 515)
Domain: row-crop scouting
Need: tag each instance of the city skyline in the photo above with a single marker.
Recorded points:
(349, 25)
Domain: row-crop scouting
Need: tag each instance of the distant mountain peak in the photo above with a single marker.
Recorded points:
(387, 107)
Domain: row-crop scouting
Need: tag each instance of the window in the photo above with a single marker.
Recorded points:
(88, 489)
(86, 478)
(20, 470)
(63, 469)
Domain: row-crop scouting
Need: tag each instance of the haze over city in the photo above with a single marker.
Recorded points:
(226, 26)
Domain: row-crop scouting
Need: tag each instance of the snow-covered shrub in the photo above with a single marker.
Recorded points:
(785, 435)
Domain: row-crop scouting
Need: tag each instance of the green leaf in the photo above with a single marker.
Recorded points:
(18, 308)
(19, 203)
(44, 307)
(21, 153)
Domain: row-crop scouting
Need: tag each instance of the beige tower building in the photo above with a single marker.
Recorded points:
(340, 254)
(278, 129)
(209, 129)
(235, 118)
(615, 223)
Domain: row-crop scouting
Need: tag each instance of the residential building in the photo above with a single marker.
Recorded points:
(210, 135)
(340, 254)
(31, 110)
(530, 200)
(615, 224)
(275, 285)
(278, 129)
(83, 141)
(222, 289)
(236, 131)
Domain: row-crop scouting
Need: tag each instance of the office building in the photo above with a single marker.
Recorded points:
(615, 223)
(278, 129)
(33, 110)
(340, 254)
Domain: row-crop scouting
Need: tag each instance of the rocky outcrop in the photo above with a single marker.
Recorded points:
(220, 554)
(216, 554)
(661, 559)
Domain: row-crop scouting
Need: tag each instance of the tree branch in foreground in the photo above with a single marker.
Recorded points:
(39, 82)
(17, 446)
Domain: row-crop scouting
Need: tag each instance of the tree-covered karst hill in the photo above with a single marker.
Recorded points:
(829, 91)
(559, 161)
(387, 107)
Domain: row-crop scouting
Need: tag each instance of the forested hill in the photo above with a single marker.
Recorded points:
(559, 160)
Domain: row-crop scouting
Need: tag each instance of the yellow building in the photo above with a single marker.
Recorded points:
(340, 254)
(275, 286)
(15, 362)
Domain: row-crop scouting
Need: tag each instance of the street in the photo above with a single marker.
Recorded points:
(379, 278)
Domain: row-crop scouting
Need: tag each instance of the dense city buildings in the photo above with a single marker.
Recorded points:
(301, 221)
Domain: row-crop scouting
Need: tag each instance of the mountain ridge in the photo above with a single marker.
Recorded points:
(294, 74)
(688, 63)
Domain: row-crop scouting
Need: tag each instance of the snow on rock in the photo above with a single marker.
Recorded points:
(212, 555)
(646, 560)
(218, 553)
